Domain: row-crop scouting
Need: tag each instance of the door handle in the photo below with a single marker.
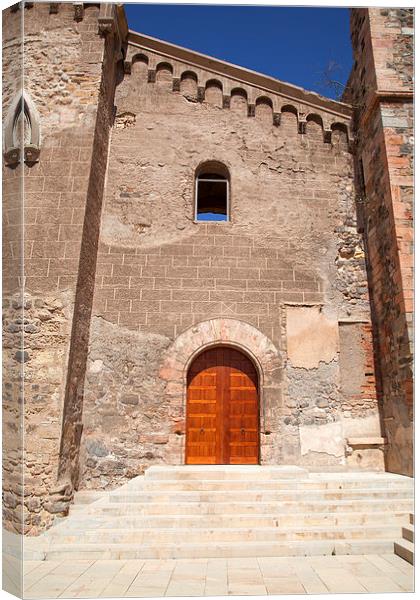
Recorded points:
(242, 430)
(202, 430)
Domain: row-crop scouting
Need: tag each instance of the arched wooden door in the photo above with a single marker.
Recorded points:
(222, 409)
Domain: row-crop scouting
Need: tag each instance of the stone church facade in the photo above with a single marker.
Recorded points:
(115, 286)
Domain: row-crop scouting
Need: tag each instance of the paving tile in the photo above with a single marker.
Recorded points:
(284, 585)
(94, 579)
(11, 582)
(396, 571)
(188, 578)
(273, 566)
(44, 567)
(309, 579)
(185, 588)
(245, 571)
(52, 586)
(383, 565)
(245, 577)
(58, 580)
(403, 580)
(159, 565)
(190, 570)
(215, 590)
(216, 577)
(242, 576)
(151, 582)
(339, 580)
(360, 567)
(399, 563)
(253, 576)
(29, 566)
(146, 592)
(12, 573)
(246, 590)
(380, 584)
(331, 562)
(118, 586)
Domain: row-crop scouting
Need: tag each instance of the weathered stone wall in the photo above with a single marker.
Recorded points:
(290, 247)
(383, 52)
(12, 301)
(63, 75)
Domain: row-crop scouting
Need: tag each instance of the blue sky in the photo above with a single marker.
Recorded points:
(291, 44)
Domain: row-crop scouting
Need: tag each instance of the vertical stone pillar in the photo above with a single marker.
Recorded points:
(381, 91)
(113, 30)
(71, 91)
(13, 307)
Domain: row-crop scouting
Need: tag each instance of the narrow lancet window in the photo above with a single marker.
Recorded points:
(212, 193)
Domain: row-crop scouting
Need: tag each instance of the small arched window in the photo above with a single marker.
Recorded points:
(212, 192)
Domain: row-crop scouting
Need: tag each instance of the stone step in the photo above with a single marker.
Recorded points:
(103, 522)
(261, 472)
(255, 496)
(263, 485)
(215, 550)
(258, 472)
(405, 550)
(84, 497)
(234, 511)
(230, 472)
(228, 534)
(408, 533)
(262, 507)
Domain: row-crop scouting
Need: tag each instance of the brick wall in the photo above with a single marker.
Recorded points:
(382, 42)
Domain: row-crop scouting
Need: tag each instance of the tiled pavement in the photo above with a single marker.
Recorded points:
(218, 576)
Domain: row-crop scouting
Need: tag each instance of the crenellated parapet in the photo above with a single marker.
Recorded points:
(203, 79)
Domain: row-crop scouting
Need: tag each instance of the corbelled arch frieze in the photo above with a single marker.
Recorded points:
(201, 80)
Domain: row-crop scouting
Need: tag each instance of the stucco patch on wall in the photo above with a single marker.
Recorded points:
(326, 439)
(311, 336)
(368, 425)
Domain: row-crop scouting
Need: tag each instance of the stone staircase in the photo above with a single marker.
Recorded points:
(234, 511)
(404, 547)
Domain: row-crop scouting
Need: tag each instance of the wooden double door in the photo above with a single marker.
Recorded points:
(222, 409)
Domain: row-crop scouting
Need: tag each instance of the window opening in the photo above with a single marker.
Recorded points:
(212, 197)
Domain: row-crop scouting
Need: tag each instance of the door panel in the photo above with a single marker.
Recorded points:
(222, 409)
(202, 414)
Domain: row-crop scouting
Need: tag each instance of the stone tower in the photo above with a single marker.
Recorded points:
(380, 89)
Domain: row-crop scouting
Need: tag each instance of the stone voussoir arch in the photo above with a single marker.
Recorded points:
(223, 331)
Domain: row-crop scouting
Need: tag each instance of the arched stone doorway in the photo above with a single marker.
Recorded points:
(222, 412)
(267, 361)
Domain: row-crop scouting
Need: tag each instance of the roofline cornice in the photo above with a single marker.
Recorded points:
(240, 74)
